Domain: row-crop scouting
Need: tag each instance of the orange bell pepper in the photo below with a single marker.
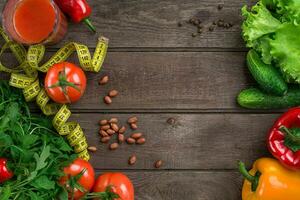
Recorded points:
(269, 180)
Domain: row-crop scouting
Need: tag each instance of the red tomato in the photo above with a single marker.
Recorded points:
(119, 182)
(86, 181)
(65, 82)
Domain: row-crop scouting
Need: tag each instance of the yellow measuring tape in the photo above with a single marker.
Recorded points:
(25, 77)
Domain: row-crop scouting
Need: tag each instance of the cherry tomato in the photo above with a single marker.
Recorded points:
(65, 82)
(120, 184)
(86, 181)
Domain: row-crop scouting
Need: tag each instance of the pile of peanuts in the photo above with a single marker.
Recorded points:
(110, 127)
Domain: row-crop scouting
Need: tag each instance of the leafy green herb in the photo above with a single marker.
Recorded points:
(272, 27)
(35, 152)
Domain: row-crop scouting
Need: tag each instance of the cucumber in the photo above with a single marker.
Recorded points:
(254, 98)
(268, 77)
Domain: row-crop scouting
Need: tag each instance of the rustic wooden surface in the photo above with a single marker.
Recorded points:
(162, 72)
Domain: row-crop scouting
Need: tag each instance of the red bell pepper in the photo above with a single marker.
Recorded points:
(284, 139)
(5, 173)
(77, 10)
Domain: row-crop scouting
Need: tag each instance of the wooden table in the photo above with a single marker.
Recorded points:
(162, 72)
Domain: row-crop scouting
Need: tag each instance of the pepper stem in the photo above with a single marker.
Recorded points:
(254, 180)
(88, 22)
(290, 135)
(245, 173)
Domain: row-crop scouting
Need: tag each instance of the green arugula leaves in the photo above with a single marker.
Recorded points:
(35, 152)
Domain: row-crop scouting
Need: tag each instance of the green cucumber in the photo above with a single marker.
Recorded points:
(254, 98)
(267, 76)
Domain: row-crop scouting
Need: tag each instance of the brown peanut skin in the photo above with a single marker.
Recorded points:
(110, 131)
(105, 139)
(107, 100)
(113, 146)
(132, 120)
(113, 120)
(158, 164)
(105, 127)
(92, 149)
(121, 138)
(130, 141)
(132, 160)
(136, 135)
(104, 80)
(103, 133)
(103, 122)
(122, 130)
(141, 141)
(115, 127)
(133, 126)
(113, 93)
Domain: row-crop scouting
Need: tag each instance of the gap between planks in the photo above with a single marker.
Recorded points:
(167, 111)
(165, 49)
(169, 170)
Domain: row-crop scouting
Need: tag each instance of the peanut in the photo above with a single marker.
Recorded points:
(103, 122)
(121, 138)
(133, 126)
(113, 93)
(130, 140)
(107, 100)
(158, 164)
(122, 130)
(105, 127)
(141, 141)
(104, 80)
(132, 160)
(132, 120)
(136, 135)
(103, 133)
(110, 131)
(114, 127)
(92, 149)
(105, 139)
(113, 120)
(113, 146)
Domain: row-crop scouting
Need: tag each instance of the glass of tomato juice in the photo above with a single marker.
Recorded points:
(34, 21)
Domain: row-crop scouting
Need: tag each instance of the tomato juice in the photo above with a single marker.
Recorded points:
(34, 21)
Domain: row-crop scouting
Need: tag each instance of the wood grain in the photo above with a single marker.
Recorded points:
(156, 81)
(183, 185)
(203, 80)
(167, 80)
(195, 141)
(153, 24)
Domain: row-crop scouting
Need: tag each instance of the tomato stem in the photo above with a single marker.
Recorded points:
(107, 195)
(63, 83)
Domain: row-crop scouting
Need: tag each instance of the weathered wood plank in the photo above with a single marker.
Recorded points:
(179, 185)
(153, 23)
(195, 141)
(168, 80)
(204, 80)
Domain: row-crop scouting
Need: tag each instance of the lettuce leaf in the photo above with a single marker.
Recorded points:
(262, 46)
(288, 9)
(272, 28)
(285, 49)
(258, 22)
